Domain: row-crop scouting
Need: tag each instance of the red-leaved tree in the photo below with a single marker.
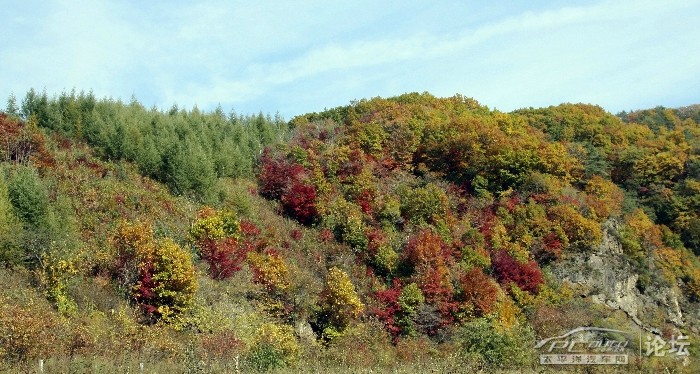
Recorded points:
(389, 301)
(430, 256)
(277, 175)
(299, 202)
(507, 270)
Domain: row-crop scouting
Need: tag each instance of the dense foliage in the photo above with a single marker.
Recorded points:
(186, 150)
(410, 234)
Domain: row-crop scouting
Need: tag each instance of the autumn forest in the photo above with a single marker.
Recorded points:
(402, 234)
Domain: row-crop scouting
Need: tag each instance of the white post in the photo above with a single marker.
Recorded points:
(141, 366)
(41, 365)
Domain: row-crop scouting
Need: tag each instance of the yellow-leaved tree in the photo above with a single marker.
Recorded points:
(340, 304)
(158, 273)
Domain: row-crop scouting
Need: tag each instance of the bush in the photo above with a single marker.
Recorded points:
(270, 271)
(28, 331)
(499, 349)
(340, 303)
(10, 229)
(29, 197)
(276, 175)
(299, 202)
(167, 281)
(213, 225)
(581, 231)
(410, 298)
(478, 294)
(425, 204)
(216, 235)
(346, 221)
(507, 270)
(274, 347)
(159, 273)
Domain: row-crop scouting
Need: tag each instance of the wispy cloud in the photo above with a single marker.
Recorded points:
(300, 57)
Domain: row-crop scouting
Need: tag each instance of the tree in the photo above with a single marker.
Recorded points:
(410, 298)
(527, 276)
(29, 197)
(158, 275)
(478, 294)
(190, 170)
(12, 109)
(167, 281)
(340, 303)
(10, 229)
(216, 235)
(429, 256)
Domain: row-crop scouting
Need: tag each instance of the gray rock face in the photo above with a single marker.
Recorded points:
(607, 276)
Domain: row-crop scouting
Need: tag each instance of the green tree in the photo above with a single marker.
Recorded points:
(12, 108)
(410, 298)
(29, 197)
(190, 170)
(10, 229)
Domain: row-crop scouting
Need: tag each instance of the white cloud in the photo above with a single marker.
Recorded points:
(263, 55)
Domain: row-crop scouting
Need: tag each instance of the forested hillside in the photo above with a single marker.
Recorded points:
(406, 234)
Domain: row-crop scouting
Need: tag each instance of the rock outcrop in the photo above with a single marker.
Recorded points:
(605, 275)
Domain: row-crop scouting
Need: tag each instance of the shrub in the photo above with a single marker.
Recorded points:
(507, 270)
(581, 231)
(53, 277)
(159, 274)
(222, 345)
(399, 307)
(276, 175)
(299, 202)
(339, 303)
(132, 242)
(28, 331)
(604, 197)
(429, 256)
(270, 271)
(21, 142)
(426, 250)
(346, 221)
(389, 300)
(216, 235)
(386, 259)
(499, 349)
(425, 204)
(167, 281)
(410, 298)
(275, 346)
(224, 256)
(478, 294)
(550, 247)
(213, 225)
(693, 282)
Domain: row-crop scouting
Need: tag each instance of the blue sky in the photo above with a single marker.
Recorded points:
(295, 57)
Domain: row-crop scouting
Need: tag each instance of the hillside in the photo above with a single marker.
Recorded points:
(406, 234)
